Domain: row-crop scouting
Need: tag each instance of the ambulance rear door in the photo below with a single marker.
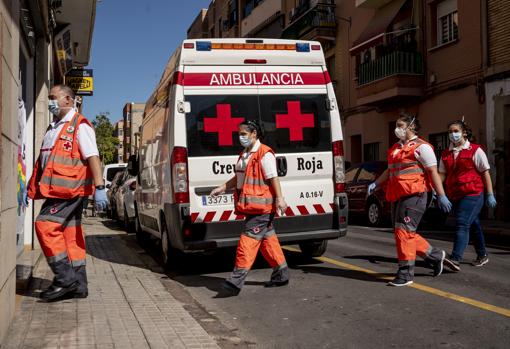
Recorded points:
(220, 98)
(297, 126)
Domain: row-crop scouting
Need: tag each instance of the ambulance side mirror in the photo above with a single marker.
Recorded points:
(183, 107)
(133, 165)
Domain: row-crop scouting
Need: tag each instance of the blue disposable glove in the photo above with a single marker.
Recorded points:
(444, 204)
(371, 188)
(100, 200)
(490, 201)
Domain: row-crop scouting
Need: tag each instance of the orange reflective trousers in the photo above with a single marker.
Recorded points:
(259, 234)
(407, 214)
(60, 233)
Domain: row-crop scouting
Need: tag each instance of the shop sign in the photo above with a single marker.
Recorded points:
(81, 81)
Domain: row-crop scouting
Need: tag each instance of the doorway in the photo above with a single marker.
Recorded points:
(356, 149)
(502, 156)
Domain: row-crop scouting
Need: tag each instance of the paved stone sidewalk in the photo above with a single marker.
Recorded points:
(127, 307)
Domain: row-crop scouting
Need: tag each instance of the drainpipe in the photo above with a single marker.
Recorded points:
(484, 14)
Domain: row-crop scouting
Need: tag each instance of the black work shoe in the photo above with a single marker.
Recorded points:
(56, 292)
(398, 281)
(452, 265)
(438, 266)
(276, 283)
(80, 294)
(228, 289)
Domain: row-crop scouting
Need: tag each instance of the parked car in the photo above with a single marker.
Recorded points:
(375, 208)
(111, 210)
(124, 200)
(110, 171)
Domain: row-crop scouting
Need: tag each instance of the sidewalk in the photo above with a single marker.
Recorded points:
(127, 307)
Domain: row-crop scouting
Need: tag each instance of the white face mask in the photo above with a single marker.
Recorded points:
(400, 133)
(245, 141)
(455, 137)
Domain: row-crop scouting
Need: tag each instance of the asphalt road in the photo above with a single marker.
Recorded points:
(342, 300)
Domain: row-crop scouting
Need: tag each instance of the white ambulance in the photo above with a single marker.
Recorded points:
(189, 143)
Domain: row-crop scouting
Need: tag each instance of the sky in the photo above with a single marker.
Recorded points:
(131, 44)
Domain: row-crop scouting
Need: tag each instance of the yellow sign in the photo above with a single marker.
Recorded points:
(81, 81)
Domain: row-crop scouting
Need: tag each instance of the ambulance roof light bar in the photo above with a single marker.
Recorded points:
(252, 45)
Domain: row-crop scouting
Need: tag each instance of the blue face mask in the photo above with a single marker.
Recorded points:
(455, 137)
(245, 141)
(53, 107)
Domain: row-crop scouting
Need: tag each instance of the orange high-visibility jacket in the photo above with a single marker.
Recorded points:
(67, 174)
(257, 195)
(406, 174)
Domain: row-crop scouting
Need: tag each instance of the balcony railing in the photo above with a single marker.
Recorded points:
(397, 62)
(320, 16)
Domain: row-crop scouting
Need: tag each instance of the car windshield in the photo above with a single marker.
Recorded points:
(111, 172)
(350, 174)
(291, 123)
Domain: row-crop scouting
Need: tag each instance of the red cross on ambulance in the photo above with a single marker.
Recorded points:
(224, 124)
(295, 121)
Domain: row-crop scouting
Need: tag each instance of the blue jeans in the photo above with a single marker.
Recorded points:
(467, 211)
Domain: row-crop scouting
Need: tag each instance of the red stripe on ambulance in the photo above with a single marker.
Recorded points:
(229, 215)
(209, 217)
(303, 210)
(225, 215)
(253, 79)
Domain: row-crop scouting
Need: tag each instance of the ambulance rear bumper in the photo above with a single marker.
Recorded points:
(284, 238)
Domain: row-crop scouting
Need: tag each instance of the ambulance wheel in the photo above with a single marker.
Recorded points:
(373, 213)
(313, 248)
(167, 251)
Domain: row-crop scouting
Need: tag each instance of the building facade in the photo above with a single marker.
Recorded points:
(132, 120)
(118, 131)
(496, 57)
(38, 46)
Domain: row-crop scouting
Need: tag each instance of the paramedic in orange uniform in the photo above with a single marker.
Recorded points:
(258, 196)
(411, 174)
(64, 175)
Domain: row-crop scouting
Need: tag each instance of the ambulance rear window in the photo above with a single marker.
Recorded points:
(212, 124)
(292, 123)
(295, 123)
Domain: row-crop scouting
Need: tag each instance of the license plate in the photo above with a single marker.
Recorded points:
(226, 199)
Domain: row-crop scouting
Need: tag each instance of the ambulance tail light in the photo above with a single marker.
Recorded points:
(338, 163)
(180, 175)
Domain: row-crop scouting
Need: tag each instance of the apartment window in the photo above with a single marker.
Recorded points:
(120, 133)
(447, 22)
(371, 151)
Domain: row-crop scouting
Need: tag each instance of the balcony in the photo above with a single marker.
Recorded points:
(316, 23)
(395, 75)
(374, 4)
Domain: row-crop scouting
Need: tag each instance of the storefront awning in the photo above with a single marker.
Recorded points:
(376, 29)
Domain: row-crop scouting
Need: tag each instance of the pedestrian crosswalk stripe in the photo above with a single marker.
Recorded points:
(428, 289)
